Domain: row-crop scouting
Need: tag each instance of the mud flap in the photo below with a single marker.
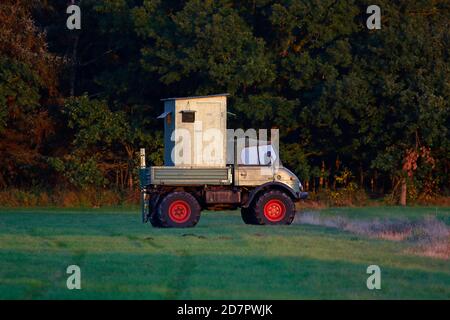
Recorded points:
(145, 205)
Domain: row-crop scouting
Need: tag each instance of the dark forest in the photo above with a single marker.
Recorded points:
(363, 114)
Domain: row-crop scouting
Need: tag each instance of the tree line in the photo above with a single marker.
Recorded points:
(356, 108)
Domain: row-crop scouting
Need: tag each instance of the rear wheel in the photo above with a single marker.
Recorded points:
(248, 215)
(154, 220)
(178, 210)
(153, 216)
(274, 207)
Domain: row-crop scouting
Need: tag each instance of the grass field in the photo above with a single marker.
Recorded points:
(221, 258)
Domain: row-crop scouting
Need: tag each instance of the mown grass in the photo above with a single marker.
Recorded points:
(393, 212)
(221, 258)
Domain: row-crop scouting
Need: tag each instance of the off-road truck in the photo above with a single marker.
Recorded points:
(208, 167)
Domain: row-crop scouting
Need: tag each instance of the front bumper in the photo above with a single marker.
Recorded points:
(302, 195)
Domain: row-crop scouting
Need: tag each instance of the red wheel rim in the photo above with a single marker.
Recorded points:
(179, 211)
(274, 210)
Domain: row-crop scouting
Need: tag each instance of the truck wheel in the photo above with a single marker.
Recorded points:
(248, 216)
(178, 210)
(274, 207)
(154, 220)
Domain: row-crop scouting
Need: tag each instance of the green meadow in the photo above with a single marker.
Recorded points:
(221, 258)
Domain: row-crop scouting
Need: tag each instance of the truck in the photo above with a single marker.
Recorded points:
(210, 167)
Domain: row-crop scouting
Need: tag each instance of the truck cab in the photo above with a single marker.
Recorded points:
(208, 167)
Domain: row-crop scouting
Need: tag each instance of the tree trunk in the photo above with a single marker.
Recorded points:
(73, 67)
(130, 153)
(361, 176)
(321, 179)
(403, 192)
(2, 182)
(130, 180)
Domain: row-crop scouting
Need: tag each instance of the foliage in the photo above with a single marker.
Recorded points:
(103, 145)
(79, 172)
(26, 78)
(37, 245)
(338, 92)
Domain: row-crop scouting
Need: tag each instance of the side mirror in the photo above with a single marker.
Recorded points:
(269, 156)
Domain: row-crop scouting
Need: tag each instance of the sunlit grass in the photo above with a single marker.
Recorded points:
(219, 259)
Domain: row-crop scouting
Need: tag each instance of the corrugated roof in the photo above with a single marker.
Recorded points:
(196, 97)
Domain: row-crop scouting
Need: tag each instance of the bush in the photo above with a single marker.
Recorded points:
(67, 198)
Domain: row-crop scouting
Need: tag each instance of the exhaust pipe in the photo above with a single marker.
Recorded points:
(142, 156)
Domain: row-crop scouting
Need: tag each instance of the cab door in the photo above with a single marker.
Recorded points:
(252, 175)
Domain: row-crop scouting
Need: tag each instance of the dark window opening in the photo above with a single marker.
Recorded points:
(188, 116)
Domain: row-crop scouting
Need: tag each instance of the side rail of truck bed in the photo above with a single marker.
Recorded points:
(189, 176)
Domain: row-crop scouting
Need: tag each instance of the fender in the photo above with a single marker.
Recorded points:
(273, 185)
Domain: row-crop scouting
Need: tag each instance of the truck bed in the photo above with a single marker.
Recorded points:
(189, 176)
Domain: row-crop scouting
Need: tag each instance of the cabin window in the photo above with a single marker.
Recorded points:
(188, 116)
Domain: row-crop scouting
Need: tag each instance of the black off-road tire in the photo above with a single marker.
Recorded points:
(248, 215)
(178, 210)
(154, 220)
(274, 208)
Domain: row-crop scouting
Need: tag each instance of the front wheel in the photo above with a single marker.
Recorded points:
(274, 208)
(178, 210)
